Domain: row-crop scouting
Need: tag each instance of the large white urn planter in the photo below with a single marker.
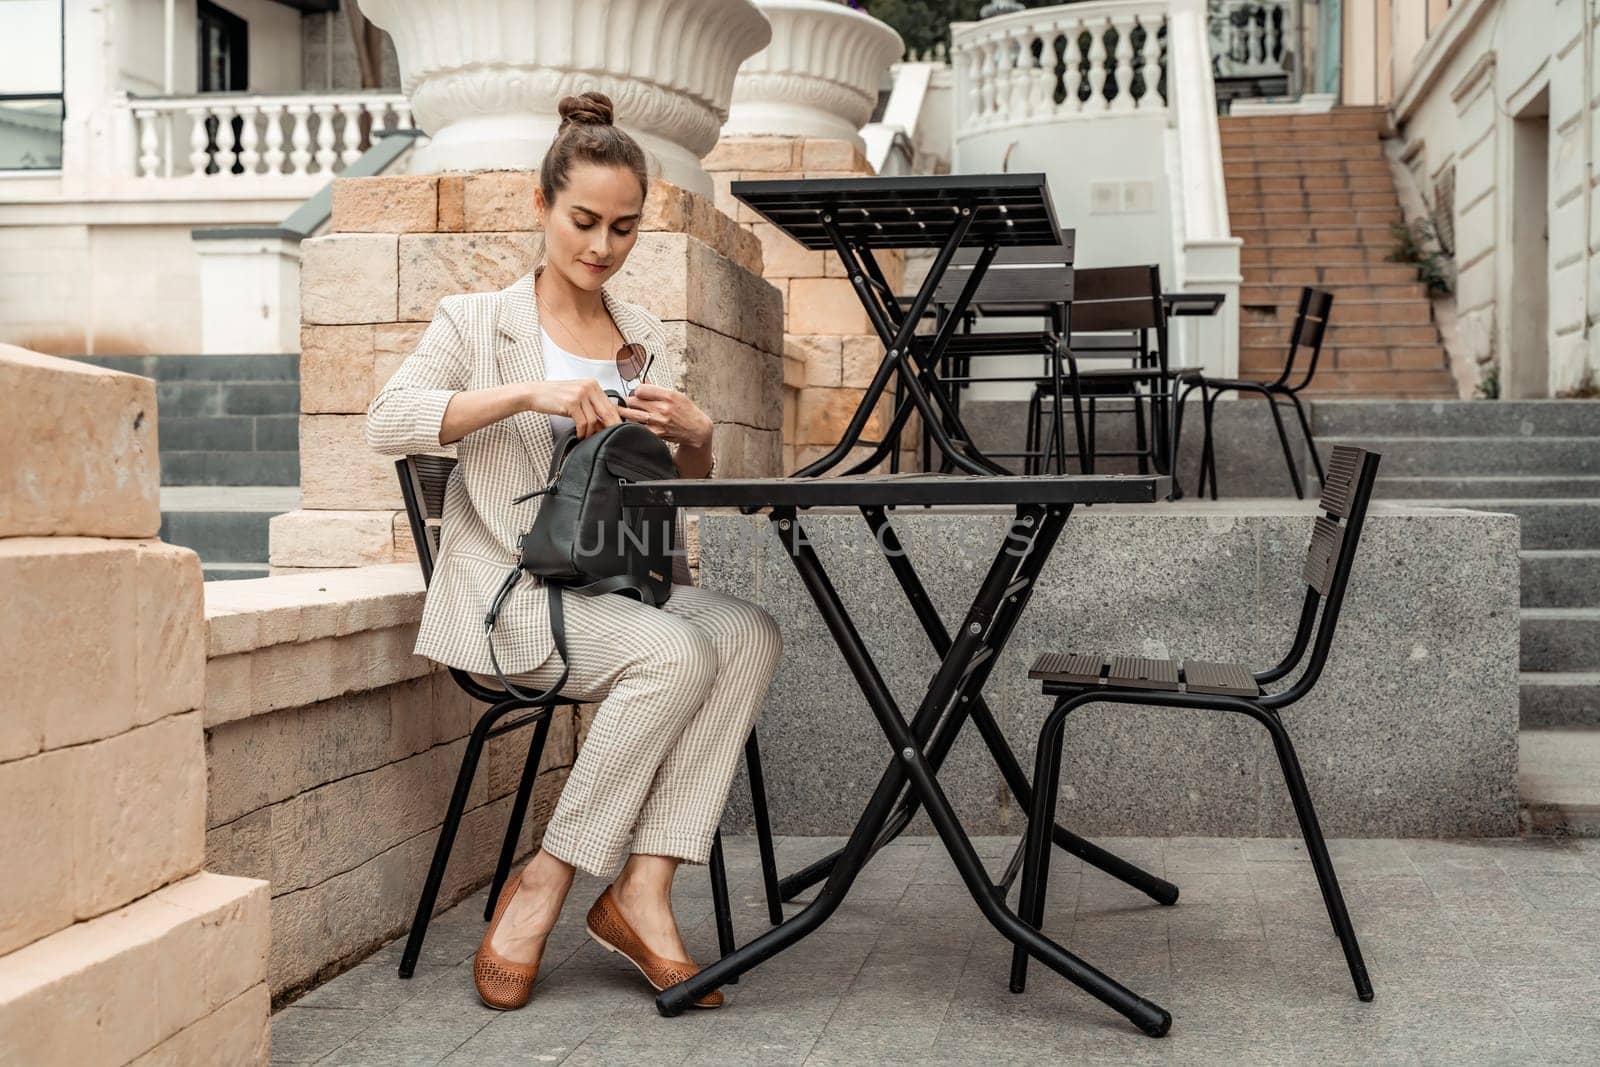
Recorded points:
(484, 76)
(818, 78)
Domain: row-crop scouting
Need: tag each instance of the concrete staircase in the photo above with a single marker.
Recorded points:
(1541, 461)
(229, 435)
(1312, 197)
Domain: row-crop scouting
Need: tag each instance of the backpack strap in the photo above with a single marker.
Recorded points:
(558, 631)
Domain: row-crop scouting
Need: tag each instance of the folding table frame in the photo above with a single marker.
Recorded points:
(1041, 508)
(852, 216)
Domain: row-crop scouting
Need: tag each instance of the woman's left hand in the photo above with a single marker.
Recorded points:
(668, 414)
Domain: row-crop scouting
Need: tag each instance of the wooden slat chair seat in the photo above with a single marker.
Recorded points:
(424, 480)
(1171, 675)
(1078, 678)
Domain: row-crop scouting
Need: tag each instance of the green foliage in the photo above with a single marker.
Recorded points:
(923, 23)
(1489, 382)
(1419, 243)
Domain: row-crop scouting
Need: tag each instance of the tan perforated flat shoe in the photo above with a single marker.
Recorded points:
(502, 983)
(611, 930)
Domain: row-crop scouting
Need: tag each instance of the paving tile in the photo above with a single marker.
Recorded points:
(1480, 952)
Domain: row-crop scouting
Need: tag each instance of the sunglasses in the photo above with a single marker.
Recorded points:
(633, 361)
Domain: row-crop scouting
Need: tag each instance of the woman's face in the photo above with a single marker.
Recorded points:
(592, 225)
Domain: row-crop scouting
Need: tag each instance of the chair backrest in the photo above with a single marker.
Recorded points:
(1031, 273)
(422, 484)
(1346, 492)
(1115, 310)
(1305, 339)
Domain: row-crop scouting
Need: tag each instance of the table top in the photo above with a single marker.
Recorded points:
(1193, 303)
(908, 211)
(886, 490)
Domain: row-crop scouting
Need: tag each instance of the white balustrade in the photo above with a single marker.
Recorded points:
(1055, 62)
(1252, 39)
(233, 136)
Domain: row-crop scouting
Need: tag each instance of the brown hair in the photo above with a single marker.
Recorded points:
(587, 135)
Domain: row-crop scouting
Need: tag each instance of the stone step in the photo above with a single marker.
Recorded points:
(1460, 418)
(1266, 360)
(1547, 523)
(229, 433)
(1244, 187)
(1356, 334)
(192, 398)
(1561, 639)
(164, 368)
(1259, 257)
(1402, 312)
(1483, 487)
(1435, 456)
(224, 524)
(1319, 200)
(1551, 699)
(1298, 233)
(1282, 167)
(234, 572)
(1555, 578)
(194, 468)
(1303, 152)
(1269, 289)
(1379, 217)
(1560, 789)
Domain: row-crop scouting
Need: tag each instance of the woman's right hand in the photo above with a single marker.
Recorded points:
(579, 399)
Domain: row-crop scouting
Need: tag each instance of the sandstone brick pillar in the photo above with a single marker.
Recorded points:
(830, 348)
(114, 945)
(400, 243)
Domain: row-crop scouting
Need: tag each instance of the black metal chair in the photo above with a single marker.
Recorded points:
(423, 479)
(1076, 679)
(1310, 326)
(1117, 314)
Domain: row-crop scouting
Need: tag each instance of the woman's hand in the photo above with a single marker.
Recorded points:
(579, 399)
(669, 415)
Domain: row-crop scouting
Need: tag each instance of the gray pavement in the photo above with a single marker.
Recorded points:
(1480, 952)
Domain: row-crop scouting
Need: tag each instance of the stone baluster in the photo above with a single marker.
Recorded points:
(1097, 66)
(1123, 74)
(1042, 76)
(1256, 35)
(299, 138)
(352, 110)
(1150, 68)
(273, 157)
(402, 116)
(327, 154)
(249, 138)
(227, 146)
(1072, 77)
(199, 155)
(149, 143)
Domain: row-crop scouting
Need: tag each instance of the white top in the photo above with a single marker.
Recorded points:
(561, 366)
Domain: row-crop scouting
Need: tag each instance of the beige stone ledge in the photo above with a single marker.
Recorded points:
(326, 539)
(729, 380)
(246, 615)
(349, 278)
(398, 203)
(235, 1034)
(115, 988)
(677, 276)
(343, 367)
(134, 651)
(86, 829)
(80, 449)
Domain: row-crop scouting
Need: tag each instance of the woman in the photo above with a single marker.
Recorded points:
(679, 686)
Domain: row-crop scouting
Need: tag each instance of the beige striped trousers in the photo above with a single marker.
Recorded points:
(680, 687)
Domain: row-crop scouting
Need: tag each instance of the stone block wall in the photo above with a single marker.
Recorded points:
(830, 348)
(115, 946)
(400, 243)
(332, 753)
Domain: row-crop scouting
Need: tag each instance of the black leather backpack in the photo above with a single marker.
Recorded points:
(585, 540)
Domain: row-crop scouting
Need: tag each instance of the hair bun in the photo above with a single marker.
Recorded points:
(589, 109)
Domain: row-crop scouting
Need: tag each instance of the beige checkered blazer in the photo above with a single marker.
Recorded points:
(475, 341)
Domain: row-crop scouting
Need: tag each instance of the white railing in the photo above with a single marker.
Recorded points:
(1250, 38)
(1067, 61)
(242, 136)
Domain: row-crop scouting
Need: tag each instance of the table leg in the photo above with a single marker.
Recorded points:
(981, 640)
(970, 704)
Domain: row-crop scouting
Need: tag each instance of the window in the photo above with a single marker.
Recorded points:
(31, 107)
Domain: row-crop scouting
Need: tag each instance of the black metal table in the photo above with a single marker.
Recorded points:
(853, 216)
(954, 694)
